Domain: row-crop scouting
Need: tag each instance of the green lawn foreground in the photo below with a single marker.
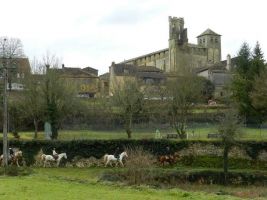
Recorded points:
(82, 184)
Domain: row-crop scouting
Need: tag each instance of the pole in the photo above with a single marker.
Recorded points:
(5, 152)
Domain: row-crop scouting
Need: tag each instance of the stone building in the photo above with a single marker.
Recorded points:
(204, 58)
(18, 69)
(180, 52)
(85, 80)
(147, 76)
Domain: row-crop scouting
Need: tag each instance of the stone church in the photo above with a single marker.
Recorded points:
(180, 52)
(204, 58)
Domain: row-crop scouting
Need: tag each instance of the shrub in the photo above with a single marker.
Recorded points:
(38, 160)
(138, 164)
(16, 135)
(85, 162)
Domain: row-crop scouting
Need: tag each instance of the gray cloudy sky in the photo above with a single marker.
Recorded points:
(95, 33)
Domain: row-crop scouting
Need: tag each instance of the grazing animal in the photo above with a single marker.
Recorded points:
(13, 159)
(109, 159)
(49, 158)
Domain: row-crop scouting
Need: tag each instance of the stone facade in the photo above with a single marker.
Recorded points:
(148, 77)
(85, 80)
(180, 53)
(203, 58)
(19, 68)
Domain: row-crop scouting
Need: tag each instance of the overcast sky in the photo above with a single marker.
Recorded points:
(95, 33)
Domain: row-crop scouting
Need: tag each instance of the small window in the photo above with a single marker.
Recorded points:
(18, 75)
(216, 40)
(200, 41)
(203, 40)
(211, 39)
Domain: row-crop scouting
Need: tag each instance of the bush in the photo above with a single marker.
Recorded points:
(38, 159)
(138, 164)
(16, 135)
(85, 162)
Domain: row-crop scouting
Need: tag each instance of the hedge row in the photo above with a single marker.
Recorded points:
(217, 162)
(97, 148)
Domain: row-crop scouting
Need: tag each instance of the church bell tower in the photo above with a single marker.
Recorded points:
(177, 39)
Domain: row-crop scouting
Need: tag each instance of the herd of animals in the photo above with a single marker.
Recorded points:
(15, 157)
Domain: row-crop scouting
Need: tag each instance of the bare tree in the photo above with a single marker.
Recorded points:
(50, 61)
(229, 128)
(129, 100)
(33, 101)
(59, 94)
(10, 48)
(183, 93)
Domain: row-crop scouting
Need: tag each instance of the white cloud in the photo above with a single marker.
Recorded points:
(95, 33)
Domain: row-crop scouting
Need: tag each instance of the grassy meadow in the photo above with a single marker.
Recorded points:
(74, 183)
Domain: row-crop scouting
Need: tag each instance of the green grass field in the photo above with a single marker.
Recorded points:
(198, 133)
(73, 183)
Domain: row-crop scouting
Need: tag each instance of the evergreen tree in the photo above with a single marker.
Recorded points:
(259, 95)
(243, 60)
(249, 66)
(257, 65)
